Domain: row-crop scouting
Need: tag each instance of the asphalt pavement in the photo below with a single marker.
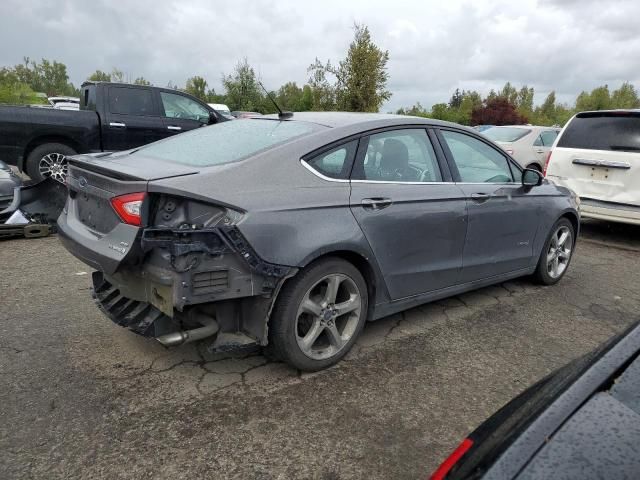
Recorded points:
(83, 398)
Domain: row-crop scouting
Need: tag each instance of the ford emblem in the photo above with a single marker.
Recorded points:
(82, 182)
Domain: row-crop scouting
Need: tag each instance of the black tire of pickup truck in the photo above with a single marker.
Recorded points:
(54, 151)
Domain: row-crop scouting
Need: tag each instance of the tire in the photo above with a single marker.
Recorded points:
(556, 254)
(48, 160)
(306, 330)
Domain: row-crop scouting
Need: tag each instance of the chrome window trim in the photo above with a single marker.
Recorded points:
(340, 180)
(320, 175)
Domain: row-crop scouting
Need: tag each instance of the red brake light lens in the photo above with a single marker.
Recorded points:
(449, 463)
(546, 164)
(129, 207)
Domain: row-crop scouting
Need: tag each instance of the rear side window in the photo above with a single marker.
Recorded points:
(226, 142)
(335, 163)
(130, 101)
(615, 131)
(546, 139)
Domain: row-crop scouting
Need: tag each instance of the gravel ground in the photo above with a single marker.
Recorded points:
(83, 398)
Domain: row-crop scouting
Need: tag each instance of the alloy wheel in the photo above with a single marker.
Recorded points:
(328, 316)
(54, 165)
(559, 252)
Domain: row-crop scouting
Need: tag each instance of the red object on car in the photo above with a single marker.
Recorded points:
(450, 462)
(129, 207)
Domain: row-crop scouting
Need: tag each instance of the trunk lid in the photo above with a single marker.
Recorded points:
(120, 166)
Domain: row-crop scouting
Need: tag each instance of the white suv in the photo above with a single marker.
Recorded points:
(597, 155)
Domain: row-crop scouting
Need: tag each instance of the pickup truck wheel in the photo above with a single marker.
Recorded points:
(49, 160)
(318, 315)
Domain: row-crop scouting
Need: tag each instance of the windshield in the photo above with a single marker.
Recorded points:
(505, 134)
(225, 142)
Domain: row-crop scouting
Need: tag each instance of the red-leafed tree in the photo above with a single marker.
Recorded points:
(497, 111)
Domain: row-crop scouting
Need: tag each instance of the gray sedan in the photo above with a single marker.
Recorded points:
(292, 232)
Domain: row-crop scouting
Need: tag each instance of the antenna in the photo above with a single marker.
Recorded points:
(281, 115)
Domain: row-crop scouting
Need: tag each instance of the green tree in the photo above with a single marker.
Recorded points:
(510, 93)
(362, 76)
(242, 90)
(99, 76)
(197, 86)
(625, 97)
(289, 97)
(598, 99)
(47, 76)
(323, 93)
(141, 81)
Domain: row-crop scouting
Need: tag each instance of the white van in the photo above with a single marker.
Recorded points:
(597, 155)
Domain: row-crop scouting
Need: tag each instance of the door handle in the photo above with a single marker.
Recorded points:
(376, 203)
(539, 151)
(480, 197)
(117, 124)
(174, 127)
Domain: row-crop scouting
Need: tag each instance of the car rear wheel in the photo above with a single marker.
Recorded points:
(318, 315)
(556, 254)
(49, 160)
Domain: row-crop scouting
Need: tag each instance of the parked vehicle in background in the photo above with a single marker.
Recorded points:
(112, 116)
(527, 144)
(581, 422)
(220, 107)
(65, 103)
(243, 114)
(482, 128)
(293, 232)
(597, 155)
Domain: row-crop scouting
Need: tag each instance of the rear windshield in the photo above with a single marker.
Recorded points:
(226, 142)
(505, 134)
(593, 131)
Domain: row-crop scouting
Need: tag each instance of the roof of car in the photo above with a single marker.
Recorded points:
(342, 119)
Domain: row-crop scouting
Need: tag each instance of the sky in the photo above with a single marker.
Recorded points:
(434, 46)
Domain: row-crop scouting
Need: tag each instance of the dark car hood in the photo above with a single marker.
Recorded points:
(138, 168)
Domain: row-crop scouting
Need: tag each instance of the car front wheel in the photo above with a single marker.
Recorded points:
(556, 254)
(318, 315)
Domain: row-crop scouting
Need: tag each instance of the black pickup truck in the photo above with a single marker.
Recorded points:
(112, 116)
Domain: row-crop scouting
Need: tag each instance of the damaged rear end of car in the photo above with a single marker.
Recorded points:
(168, 266)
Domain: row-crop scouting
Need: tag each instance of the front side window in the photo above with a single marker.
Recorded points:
(399, 156)
(130, 101)
(335, 163)
(178, 106)
(477, 162)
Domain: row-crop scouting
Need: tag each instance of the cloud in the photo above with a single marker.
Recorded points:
(435, 47)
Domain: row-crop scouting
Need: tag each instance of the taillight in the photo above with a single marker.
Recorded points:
(450, 462)
(546, 163)
(129, 207)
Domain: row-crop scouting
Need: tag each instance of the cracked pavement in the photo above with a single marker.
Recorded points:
(83, 398)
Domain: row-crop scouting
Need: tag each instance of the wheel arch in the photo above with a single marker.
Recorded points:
(376, 288)
(43, 139)
(575, 222)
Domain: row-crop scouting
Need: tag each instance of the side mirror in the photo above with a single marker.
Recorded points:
(531, 177)
(213, 118)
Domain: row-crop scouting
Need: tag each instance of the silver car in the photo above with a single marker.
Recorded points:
(527, 144)
(292, 232)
